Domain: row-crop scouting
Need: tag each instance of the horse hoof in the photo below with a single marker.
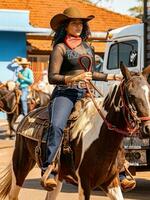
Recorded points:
(127, 185)
(49, 185)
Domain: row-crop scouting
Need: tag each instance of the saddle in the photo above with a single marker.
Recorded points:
(35, 126)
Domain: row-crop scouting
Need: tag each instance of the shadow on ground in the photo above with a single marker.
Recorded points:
(141, 192)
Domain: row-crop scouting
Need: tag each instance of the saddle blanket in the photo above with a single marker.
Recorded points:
(35, 125)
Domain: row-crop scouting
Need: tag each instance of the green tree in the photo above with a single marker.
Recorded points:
(137, 11)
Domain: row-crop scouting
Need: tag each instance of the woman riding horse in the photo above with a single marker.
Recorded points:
(69, 76)
(96, 137)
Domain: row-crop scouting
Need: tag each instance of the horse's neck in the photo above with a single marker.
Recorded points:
(91, 134)
(109, 142)
(115, 117)
(11, 101)
(8, 100)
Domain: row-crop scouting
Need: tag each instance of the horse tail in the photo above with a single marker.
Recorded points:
(5, 182)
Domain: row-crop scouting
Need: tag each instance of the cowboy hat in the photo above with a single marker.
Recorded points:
(21, 61)
(69, 13)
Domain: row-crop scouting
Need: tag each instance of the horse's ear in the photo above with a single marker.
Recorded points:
(125, 72)
(146, 71)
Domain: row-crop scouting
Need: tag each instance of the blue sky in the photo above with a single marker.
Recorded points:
(120, 6)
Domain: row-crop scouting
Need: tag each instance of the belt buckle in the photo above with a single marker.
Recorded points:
(80, 84)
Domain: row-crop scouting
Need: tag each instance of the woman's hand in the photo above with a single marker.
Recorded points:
(118, 77)
(85, 76)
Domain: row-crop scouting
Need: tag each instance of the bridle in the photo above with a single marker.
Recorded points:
(129, 110)
(129, 113)
(129, 106)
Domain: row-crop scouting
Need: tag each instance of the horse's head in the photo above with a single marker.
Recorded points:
(8, 97)
(135, 94)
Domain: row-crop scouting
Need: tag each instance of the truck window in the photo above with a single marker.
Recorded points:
(123, 51)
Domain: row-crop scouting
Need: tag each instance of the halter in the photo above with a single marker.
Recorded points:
(129, 113)
(129, 108)
(134, 125)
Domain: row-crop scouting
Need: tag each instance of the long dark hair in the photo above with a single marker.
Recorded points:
(61, 33)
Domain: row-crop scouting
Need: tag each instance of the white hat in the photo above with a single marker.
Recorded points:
(21, 61)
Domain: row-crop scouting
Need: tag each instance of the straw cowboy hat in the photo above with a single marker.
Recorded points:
(69, 13)
(21, 61)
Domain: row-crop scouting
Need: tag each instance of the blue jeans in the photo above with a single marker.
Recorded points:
(63, 101)
(24, 104)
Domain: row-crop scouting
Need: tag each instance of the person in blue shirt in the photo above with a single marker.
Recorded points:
(24, 80)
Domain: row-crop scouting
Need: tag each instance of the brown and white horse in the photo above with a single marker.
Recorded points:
(95, 142)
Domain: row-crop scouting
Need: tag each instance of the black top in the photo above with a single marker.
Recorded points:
(65, 61)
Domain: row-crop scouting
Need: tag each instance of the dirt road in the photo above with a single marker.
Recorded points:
(33, 191)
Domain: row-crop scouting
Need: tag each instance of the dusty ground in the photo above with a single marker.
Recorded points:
(33, 191)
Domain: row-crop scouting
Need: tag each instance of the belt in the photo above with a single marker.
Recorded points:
(78, 84)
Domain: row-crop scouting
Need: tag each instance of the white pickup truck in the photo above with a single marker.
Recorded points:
(130, 44)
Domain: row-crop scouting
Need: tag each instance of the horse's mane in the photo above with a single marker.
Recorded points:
(109, 99)
(87, 118)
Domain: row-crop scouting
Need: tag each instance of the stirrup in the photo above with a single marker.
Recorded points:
(45, 177)
(127, 185)
(133, 185)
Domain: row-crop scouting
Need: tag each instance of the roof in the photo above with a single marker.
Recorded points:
(41, 12)
(40, 45)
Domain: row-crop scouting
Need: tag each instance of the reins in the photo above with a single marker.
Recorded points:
(133, 122)
(130, 130)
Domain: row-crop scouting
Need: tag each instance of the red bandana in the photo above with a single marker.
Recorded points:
(72, 42)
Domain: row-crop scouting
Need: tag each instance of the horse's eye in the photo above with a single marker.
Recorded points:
(131, 96)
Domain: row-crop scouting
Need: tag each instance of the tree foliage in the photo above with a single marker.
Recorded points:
(136, 11)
